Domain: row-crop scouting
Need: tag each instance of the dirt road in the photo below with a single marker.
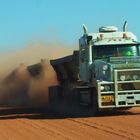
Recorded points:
(24, 124)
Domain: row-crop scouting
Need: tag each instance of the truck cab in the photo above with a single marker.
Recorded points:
(109, 61)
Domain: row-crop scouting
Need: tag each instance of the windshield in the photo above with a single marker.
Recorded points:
(116, 50)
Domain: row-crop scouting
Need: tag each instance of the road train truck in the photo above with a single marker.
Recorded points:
(103, 74)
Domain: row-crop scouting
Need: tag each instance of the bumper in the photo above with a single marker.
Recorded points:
(119, 93)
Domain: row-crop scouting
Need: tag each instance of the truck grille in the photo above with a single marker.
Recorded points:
(121, 60)
(128, 75)
(127, 87)
(122, 92)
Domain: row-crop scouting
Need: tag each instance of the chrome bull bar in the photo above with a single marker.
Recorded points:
(123, 92)
(127, 89)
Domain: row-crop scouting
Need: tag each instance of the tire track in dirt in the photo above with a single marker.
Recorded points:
(15, 130)
(56, 127)
(11, 130)
(45, 129)
(76, 130)
(33, 127)
(68, 128)
(107, 129)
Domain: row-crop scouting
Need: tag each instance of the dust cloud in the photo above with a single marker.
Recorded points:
(17, 86)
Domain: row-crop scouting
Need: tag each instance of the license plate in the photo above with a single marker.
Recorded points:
(108, 98)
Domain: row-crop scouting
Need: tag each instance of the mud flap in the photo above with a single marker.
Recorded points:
(84, 96)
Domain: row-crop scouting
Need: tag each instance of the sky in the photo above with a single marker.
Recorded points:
(28, 21)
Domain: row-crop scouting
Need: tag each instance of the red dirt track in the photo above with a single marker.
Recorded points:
(21, 124)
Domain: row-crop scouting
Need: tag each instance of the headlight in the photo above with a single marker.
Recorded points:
(135, 77)
(122, 77)
(102, 88)
(105, 67)
(105, 88)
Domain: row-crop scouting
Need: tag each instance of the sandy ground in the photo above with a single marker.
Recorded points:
(29, 124)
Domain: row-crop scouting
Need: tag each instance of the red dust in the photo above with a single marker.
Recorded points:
(17, 86)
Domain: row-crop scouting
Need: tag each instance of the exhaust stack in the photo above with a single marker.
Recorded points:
(125, 26)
